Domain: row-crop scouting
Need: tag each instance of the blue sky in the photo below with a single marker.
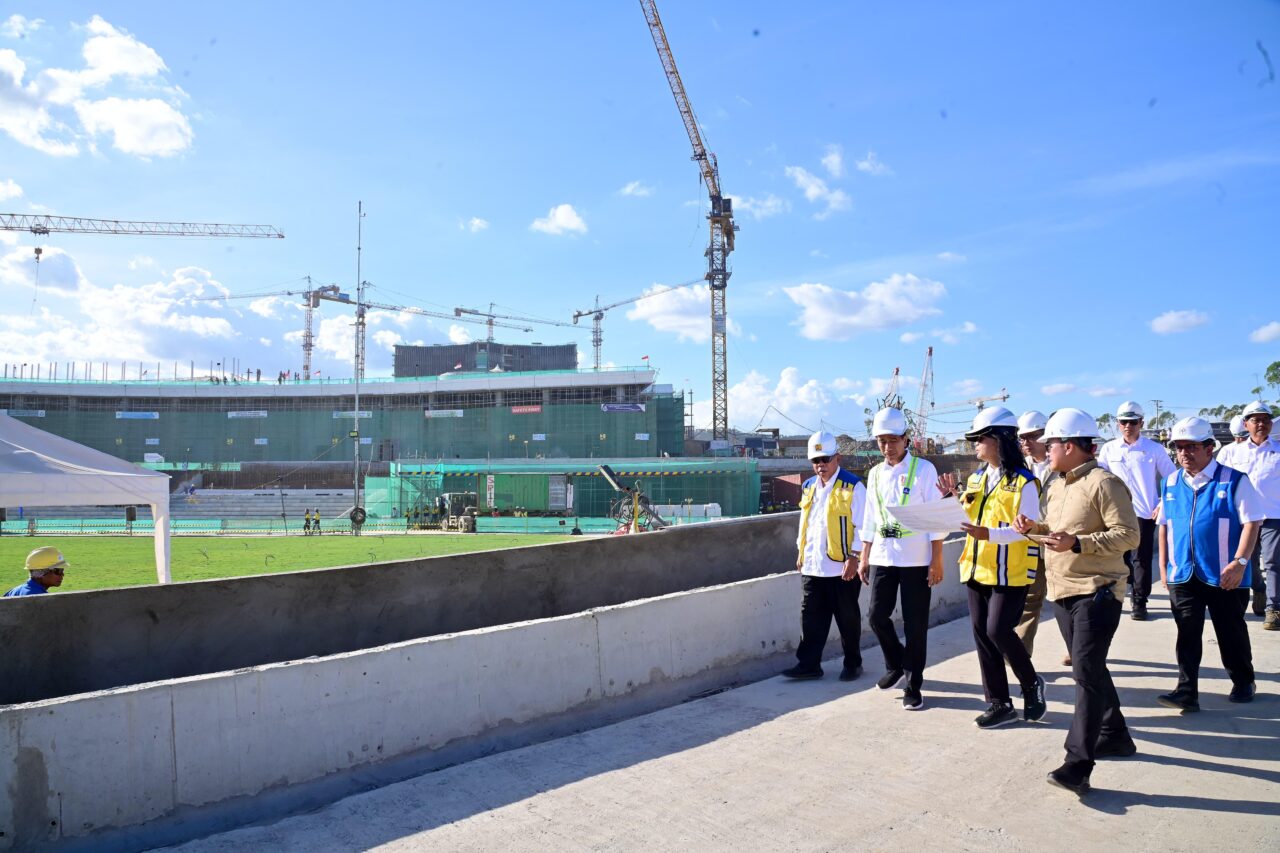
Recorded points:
(1075, 202)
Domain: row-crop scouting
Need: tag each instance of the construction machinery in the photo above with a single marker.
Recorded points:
(312, 296)
(489, 317)
(722, 225)
(597, 316)
(633, 511)
(42, 225)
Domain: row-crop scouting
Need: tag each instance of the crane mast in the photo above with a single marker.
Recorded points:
(597, 316)
(721, 222)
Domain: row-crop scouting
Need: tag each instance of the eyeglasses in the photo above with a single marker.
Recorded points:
(820, 460)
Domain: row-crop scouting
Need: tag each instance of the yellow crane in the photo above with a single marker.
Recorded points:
(721, 221)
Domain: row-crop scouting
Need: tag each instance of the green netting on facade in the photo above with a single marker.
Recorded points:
(239, 433)
(573, 487)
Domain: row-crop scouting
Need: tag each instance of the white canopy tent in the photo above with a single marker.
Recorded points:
(38, 468)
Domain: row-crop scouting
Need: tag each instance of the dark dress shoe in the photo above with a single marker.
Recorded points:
(850, 673)
(1187, 703)
(1115, 749)
(1070, 777)
(1139, 613)
(798, 673)
(1242, 692)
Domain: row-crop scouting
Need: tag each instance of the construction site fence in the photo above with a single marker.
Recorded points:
(276, 527)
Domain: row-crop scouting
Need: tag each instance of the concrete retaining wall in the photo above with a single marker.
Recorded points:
(195, 755)
(68, 643)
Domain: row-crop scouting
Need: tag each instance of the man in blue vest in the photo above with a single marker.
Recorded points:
(46, 567)
(827, 548)
(1209, 518)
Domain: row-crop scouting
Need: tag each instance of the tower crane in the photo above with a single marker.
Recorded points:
(311, 299)
(42, 225)
(721, 222)
(597, 315)
(490, 317)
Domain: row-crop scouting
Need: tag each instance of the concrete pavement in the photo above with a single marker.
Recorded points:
(822, 765)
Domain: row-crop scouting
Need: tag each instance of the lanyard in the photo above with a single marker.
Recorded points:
(903, 497)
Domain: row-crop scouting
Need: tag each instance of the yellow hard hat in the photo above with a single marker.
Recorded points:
(42, 559)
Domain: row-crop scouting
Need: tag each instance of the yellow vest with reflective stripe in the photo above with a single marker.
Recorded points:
(983, 560)
(841, 524)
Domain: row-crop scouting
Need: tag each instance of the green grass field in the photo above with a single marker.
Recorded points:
(110, 561)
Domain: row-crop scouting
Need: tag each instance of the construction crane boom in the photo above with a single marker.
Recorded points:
(42, 225)
(597, 315)
(490, 317)
(721, 221)
(312, 297)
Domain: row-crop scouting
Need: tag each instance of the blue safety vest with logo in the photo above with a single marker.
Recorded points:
(1204, 527)
(841, 524)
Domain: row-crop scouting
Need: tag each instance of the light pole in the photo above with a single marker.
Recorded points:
(526, 448)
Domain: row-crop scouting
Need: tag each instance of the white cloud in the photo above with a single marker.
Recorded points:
(143, 127)
(1057, 388)
(18, 27)
(910, 337)
(952, 335)
(816, 190)
(459, 334)
(833, 161)
(266, 342)
(475, 224)
(266, 306)
(140, 262)
(9, 190)
(1106, 391)
(967, 388)
(830, 314)
(387, 339)
(872, 165)
(951, 257)
(1266, 334)
(761, 208)
(637, 189)
(1172, 322)
(58, 272)
(818, 253)
(560, 219)
(1203, 167)
(684, 311)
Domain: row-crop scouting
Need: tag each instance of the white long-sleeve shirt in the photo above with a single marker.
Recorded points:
(1262, 463)
(816, 561)
(885, 483)
(1142, 466)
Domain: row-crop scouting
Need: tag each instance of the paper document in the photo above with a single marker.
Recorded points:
(944, 516)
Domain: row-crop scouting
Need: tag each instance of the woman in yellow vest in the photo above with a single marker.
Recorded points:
(999, 564)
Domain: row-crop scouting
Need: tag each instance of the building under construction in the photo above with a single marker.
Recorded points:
(415, 361)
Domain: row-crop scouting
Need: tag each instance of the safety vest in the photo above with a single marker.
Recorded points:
(841, 525)
(985, 561)
(903, 497)
(1204, 526)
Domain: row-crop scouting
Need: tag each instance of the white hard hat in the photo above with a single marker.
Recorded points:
(822, 444)
(889, 422)
(1237, 426)
(1191, 429)
(1070, 423)
(987, 419)
(1130, 411)
(1257, 407)
(1031, 421)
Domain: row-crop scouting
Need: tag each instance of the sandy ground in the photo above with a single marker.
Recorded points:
(824, 765)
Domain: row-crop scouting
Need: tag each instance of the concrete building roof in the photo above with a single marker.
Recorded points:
(823, 765)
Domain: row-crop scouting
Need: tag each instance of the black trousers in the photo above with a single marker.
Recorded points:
(1226, 608)
(1139, 561)
(1088, 623)
(912, 582)
(994, 613)
(825, 598)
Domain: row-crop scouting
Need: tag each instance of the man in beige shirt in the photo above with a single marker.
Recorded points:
(1087, 524)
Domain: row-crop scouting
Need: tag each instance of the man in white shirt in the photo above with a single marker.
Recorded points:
(1208, 518)
(1142, 465)
(899, 561)
(1030, 430)
(827, 546)
(1259, 457)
